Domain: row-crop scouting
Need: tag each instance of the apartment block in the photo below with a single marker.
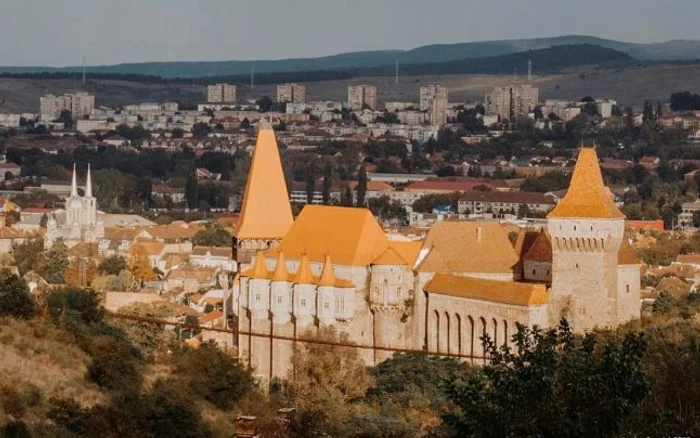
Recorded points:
(79, 104)
(292, 93)
(361, 95)
(221, 93)
(511, 102)
(433, 100)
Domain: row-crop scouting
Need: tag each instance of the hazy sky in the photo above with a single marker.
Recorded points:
(57, 33)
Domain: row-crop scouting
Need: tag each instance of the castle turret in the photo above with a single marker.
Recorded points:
(281, 289)
(306, 305)
(259, 288)
(586, 230)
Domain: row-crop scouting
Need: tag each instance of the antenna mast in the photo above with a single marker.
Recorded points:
(396, 77)
(83, 71)
(252, 77)
(529, 70)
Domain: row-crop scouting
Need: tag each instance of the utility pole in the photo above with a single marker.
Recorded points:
(529, 70)
(396, 77)
(83, 72)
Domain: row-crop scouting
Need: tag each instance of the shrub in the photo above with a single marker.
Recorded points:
(15, 299)
(74, 305)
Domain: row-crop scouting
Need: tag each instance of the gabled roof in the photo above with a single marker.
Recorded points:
(507, 292)
(468, 247)
(390, 257)
(266, 211)
(541, 250)
(587, 196)
(214, 251)
(350, 236)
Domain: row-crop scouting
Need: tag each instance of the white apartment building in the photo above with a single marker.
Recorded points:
(433, 100)
(361, 95)
(293, 93)
(79, 104)
(512, 102)
(221, 93)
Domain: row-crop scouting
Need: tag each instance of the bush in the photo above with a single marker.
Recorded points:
(112, 265)
(15, 299)
(113, 365)
(213, 375)
(74, 305)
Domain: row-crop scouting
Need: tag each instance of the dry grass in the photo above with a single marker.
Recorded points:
(38, 357)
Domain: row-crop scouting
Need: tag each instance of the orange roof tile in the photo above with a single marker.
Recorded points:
(266, 211)
(468, 247)
(541, 250)
(390, 257)
(259, 270)
(526, 238)
(350, 236)
(408, 249)
(327, 274)
(215, 251)
(587, 195)
(281, 272)
(507, 292)
(304, 275)
(626, 255)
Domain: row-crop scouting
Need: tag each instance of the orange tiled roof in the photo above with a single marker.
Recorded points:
(266, 211)
(192, 274)
(151, 247)
(327, 275)
(259, 269)
(507, 292)
(122, 233)
(281, 272)
(304, 275)
(587, 195)
(626, 255)
(215, 251)
(408, 249)
(541, 250)
(175, 231)
(526, 238)
(350, 236)
(468, 247)
(390, 257)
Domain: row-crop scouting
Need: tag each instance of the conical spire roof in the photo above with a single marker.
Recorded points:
(304, 275)
(88, 184)
(74, 184)
(266, 211)
(259, 270)
(281, 273)
(587, 196)
(327, 274)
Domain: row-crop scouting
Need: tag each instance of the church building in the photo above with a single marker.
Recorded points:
(335, 266)
(78, 221)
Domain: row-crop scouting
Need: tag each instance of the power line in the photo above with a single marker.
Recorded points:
(164, 322)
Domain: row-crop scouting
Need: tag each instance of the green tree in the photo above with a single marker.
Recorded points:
(27, 254)
(553, 384)
(346, 198)
(327, 183)
(192, 189)
(65, 117)
(112, 265)
(265, 104)
(212, 235)
(54, 263)
(201, 129)
(15, 299)
(361, 187)
(648, 112)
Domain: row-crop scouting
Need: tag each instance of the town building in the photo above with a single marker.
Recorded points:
(292, 93)
(512, 102)
(521, 203)
(361, 96)
(221, 93)
(79, 104)
(336, 267)
(433, 100)
(79, 221)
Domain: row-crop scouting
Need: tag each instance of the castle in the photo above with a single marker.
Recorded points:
(79, 221)
(335, 266)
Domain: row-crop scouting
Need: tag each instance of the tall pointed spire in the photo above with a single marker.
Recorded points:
(88, 184)
(281, 273)
(327, 274)
(74, 184)
(304, 275)
(587, 195)
(266, 211)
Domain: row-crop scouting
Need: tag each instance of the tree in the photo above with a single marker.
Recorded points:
(310, 183)
(245, 123)
(15, 299)
(112, 265)
(201, 129)
(140, 264)
(346, 198)
(648, 112)
(65, 117)
(27, 255)
(191, 189)
(212, 235)
(553, 384)
(52, 265)
(361, 187)
(327, 183)
(78, 305)
(265, 104)
(81, 272)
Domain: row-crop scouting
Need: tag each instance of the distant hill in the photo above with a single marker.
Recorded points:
(436, 53)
